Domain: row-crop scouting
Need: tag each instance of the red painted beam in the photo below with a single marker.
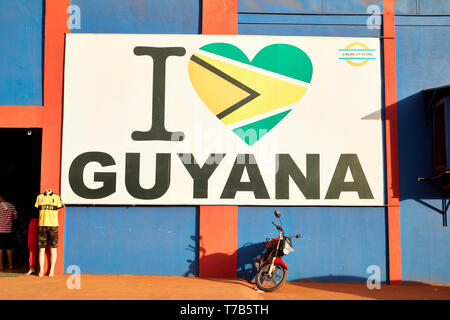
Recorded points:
(55, 29)
(392, 166)
(21, 117)
(218, 242)
(218, 224)
(219, 17)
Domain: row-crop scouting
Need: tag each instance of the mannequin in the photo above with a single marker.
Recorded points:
(48, 204)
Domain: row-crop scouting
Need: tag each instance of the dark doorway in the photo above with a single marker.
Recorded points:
(20, 175)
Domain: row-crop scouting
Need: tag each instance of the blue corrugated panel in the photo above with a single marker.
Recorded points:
(406, 7)
(132, 240)
(350, 6)
(423, 58)
(308, 25)
(419, 20)
(284, 6)
(307, 6)
(425, 242)
(21, 52)
(304, 19)
(434, 7)
(143, 16)
(337, 243)
(422, 7)
(423, 61)
(409, 7)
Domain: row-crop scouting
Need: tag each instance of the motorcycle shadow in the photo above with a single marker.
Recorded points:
(245, 257)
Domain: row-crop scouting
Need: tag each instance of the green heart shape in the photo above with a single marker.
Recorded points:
(258, 95)
(280, 58)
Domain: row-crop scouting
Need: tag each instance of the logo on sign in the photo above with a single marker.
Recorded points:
(357, 54)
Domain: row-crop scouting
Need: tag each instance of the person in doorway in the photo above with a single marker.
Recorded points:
(48, 204)
(7, 214)
(32, 245)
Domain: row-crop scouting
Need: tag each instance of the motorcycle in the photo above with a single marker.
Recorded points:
(271, 270)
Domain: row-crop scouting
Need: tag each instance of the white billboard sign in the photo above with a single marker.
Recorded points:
(222, 120)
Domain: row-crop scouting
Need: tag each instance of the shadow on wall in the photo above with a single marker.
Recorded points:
(415, 151)
(213, 262)
(192, 264)
(215, 265)
(245, 257)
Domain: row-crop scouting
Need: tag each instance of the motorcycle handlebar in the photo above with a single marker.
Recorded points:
(277, 226)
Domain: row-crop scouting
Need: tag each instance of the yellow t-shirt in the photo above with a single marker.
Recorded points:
(48, 206)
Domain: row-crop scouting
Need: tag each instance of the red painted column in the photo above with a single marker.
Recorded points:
(218, 224)
(55, 29)
(392, 166)
(218, 242)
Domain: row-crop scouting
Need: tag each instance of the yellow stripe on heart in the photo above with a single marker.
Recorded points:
(217, 93)
(274, 93)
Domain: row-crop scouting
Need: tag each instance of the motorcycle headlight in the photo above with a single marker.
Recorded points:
(287, 247)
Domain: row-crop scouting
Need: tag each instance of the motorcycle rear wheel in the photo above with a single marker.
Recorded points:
(269, 284)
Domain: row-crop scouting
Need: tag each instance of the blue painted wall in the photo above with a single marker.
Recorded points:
(21, 52)
(132, 240)
(337, 243)
(423, 61)
(139, 16)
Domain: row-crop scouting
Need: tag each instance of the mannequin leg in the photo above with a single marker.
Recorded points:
(41, 261)
(53, 256)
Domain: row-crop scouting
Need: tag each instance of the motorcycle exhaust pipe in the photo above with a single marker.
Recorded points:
(257, 262)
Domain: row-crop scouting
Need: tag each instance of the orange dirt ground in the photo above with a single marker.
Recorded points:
(127, 287)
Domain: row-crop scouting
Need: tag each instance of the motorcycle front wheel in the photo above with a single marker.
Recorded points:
(269, 284)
